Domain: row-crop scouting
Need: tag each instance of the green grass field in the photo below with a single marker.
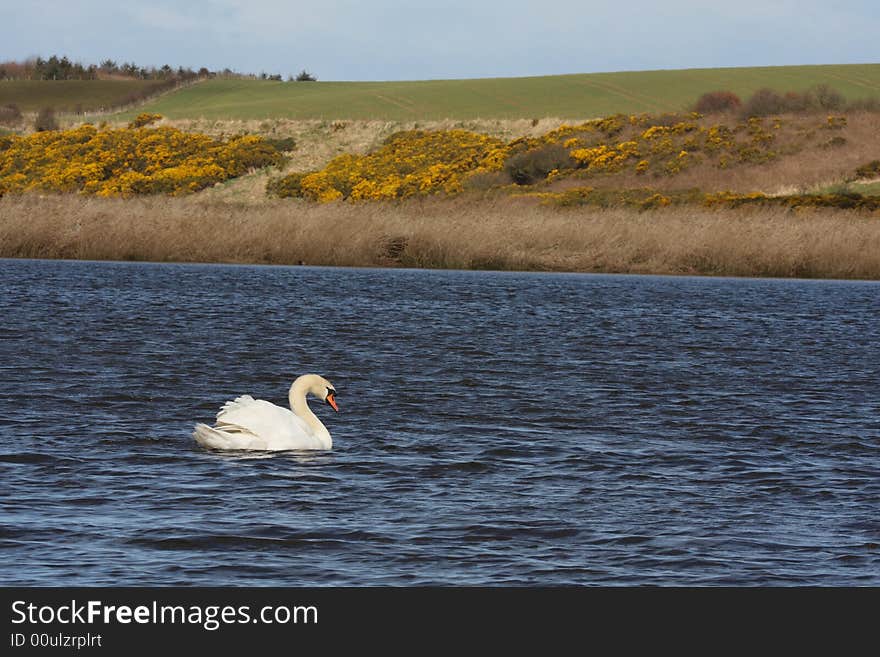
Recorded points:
(565, 96)
(69, 95)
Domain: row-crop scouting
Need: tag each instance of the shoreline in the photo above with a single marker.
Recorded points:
(531, 272)
(462, 233)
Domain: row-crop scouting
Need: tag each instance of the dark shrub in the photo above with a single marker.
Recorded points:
(282, 144)
(243, 156)
(305, 76)
(531, 166)
(667, 119)
(869, 170)
(394, 247)
(289, 186)
(764, 102)
(822, 97)
(45, 120)
(485, 180)
(716, 102)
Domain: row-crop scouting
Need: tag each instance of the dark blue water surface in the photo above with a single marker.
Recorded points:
(495, 428)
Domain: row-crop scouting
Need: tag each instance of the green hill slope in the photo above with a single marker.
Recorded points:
(567, 96)
(72, 95)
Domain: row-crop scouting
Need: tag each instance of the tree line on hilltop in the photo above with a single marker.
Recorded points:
(62, 68)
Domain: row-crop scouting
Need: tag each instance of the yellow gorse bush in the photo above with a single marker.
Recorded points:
(662, 145)
(410, 163)
(418, 162)
(123, 162)
(144, 119)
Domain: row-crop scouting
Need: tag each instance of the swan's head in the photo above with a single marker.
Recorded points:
(330, 396)
(319, 387)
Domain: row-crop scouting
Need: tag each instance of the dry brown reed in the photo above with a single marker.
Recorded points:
(464, 232)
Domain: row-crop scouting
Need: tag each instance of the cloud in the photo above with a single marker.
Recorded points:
(152, 17)
(393, 39)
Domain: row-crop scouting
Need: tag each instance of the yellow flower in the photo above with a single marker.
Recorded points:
(416, 162)
(127, 161)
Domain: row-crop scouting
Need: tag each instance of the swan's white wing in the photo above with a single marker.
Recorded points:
(259, 418)
(238, 402)
(216, 439)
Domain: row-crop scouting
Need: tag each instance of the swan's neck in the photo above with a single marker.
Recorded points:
(300, 407)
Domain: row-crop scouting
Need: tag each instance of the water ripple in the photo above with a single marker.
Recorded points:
(496, 429)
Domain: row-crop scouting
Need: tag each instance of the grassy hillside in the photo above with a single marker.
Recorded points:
(567, 96)
(71, 95)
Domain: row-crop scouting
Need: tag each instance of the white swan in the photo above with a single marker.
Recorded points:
(255, 424)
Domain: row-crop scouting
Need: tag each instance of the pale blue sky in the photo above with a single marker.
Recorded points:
(397, 40)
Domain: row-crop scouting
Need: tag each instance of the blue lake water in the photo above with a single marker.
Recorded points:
(495, 428)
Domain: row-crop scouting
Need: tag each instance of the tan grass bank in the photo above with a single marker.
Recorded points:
(465, 232)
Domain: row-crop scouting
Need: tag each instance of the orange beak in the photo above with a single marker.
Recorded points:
(331, 399)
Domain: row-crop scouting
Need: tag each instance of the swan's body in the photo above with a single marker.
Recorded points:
(255, 424)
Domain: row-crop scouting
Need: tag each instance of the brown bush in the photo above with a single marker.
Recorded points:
(824, 98)
(716, 102)
(821, 98)
(764, 102)
(795, 102)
